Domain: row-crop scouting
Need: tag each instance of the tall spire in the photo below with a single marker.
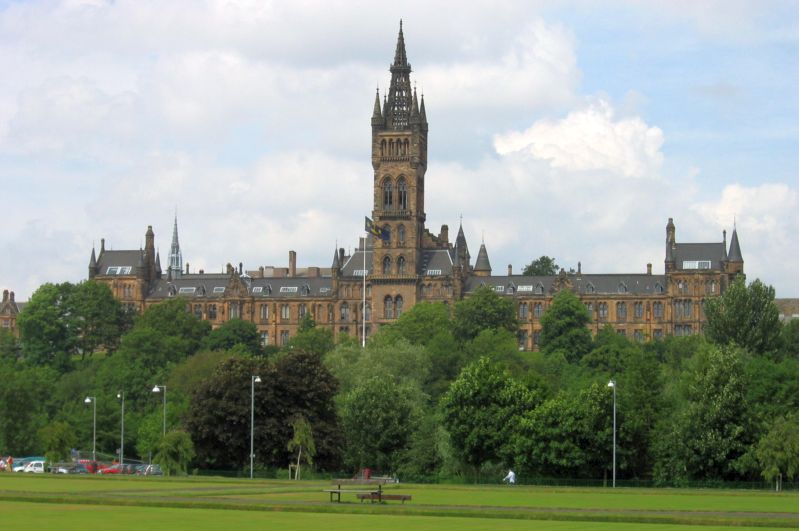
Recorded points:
(377, 115)
(175, 256)
(399, 92)
(735, 248)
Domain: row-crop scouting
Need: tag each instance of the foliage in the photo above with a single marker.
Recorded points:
(186, 376)
(481, 410)
(232, 333)
(610, 352)
(312, 338)
(541, 267)
(563, 327)
(24, 394)
(9, 347)
(377, 419)
(174, 452)
(484, 309)
(789, 336)
(746, 316)
(421, 324)
(778, 450)
(58, 439)
(170, 318)
(302, 440)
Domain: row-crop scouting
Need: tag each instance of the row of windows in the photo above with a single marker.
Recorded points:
(387, 270)
(392, 307)
(394, 148)
(387, 235)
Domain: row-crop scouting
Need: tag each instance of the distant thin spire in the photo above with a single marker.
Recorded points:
(175, 255)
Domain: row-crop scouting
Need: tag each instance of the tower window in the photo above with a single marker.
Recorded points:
(402, 194)
(388, 307)
(387, 265)
(401, 265)
(398, 305)
(401, 234)
(388, 195)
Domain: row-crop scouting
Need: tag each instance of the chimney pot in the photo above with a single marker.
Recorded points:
(11, 296)
(649, 269)
(510, 270)
(187, 268)
(102, 245)
(292, 264)
(5, 295)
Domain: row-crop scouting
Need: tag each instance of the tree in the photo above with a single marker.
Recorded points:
(24, 398)
(422, 323)
(174, 452)
(172, 319)
(778, 450)
(302, 440)
(746, 316)
(541, 267)
(97, 318)
(790, 339)
(232, 333)
(483, 310)
(312, 338)
(377, 420)
(9, 348)
(58, 439)
(563, 327)
(481, 410)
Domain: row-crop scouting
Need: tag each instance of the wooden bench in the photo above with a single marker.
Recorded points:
(381, 496)
(339, 492)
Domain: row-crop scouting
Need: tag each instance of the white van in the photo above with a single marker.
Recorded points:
(37, 467)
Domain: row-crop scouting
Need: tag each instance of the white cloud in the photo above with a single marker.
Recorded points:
(590, 139)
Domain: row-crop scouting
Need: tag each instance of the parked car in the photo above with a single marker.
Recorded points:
(35, 467)
(69, 468)
(149, 470)
(91, 466)
(20, 463)
(112, 469)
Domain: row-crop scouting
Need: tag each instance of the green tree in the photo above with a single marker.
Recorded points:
(174, 452)
(778, 450)
(24, 400)
(790, 339)
(58, 438)
(44, 330)
(377, 420)
(610, 352)
(484, 309)
(302, 440)
(97, 318)
(564, 327)
(422, 323)
(746, 316)
(312, 338)
(9, 347)
(232, 333)
(480, 412)
(172, 319)
(541, 267)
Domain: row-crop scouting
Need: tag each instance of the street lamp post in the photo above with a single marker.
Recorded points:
(93, 400)
(121, 396)
(254, 380)
(612, 384)
(157, 389)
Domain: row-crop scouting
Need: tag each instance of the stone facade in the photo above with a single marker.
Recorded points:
(409, 264)
(9, 309)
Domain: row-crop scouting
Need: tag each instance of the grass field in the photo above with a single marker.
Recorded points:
(68, 502)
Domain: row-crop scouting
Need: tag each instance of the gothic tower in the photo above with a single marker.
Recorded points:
(399, 159)
(175, 268)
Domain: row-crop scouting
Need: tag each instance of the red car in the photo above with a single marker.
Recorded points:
(112, 469)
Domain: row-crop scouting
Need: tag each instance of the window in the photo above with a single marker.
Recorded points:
(621, 311)
(590, 288)
(367, 315)
(696, 264)
(590, 307)
(402, 194)
(638, 335)
(537, 338)
(219, 289)
(658, 287)
(682, 286)
(285, 312)
(263, 312)
(234, 310)
(539, 289)
(657, 309)
(198, 311)
(657, 333)
(398, 305)
(288, 289)
(401, 233)
(119, 270)
(621, 332)
(682, 330)
(257, 289)
(264, 339)
(523, 310)
(284, 337)
(538, 310)
(622, 287)
(433, 272)
(638, 309)
(499, 289)
(388, 307)
(603, 311)
(186, 290)
(401, 265)
(387, 236)
(710, 286)
(212, 312)
(388, 197)
(386, 265)
(522, 339)
(345, 312)
(301, 311)
(683, 309)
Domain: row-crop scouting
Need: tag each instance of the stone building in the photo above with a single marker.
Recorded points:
(409, 264)
(9, 309)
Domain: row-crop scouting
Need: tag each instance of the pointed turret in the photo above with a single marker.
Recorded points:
(462, 249)
(398, 110)
(415, 119)
(482, 267)
(377, 114)
(336, 263)
(670, 246)
(158, 264)
(92, 265)
(735, 248)
(175, 255)
(423, 114)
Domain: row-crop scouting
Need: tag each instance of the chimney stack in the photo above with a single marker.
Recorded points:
(102, 245)
(11, 296)
(292, 264)
(648, 269)
(187, 268)
(510, 270)
(5, 295)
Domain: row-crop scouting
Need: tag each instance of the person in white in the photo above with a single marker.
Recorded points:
(510, 478)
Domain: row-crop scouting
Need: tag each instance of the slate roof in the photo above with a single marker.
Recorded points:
(735, 248)
(715, 252)
(608, 284)
(437, 262)
(482, 263)
(119, 258)
(280, 287)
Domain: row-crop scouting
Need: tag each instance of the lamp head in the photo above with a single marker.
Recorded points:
(612, 383)
(119, 395)
(87, 401)
(156, 389)
(257, 379)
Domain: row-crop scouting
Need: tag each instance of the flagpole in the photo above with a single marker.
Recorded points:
(363, 292)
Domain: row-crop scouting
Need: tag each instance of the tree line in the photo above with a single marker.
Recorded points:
(444, 393)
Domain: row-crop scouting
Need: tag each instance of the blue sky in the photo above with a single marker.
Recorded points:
(572, 129)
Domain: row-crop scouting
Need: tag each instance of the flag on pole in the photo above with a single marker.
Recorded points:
(374, 230)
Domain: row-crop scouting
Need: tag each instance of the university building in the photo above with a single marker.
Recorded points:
(409, 264)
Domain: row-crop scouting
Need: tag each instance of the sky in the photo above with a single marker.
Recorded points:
(560, 128)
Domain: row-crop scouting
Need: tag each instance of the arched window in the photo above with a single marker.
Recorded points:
(539, 289)
(345, 312)
(387, 234)
(386, 265)
(398, 305)
(388, 194)
(382, 148)
(538, 310)
(603, 311)
(621, 311)
(590, 288)
(367, 315)
(401, 265)
(401, 234)
(658, 287)
(402, 194)
(388, 307)
(523, 310)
